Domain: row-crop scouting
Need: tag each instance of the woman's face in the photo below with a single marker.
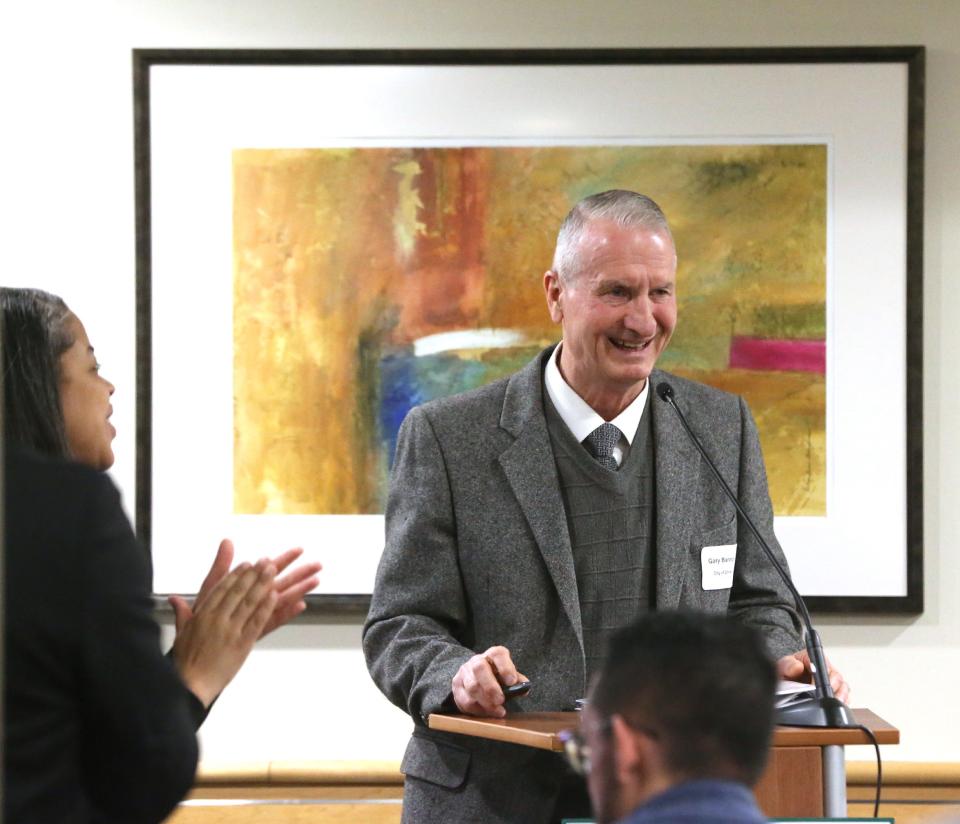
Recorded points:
(85, 397)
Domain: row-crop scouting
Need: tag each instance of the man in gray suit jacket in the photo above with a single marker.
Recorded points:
(509, 541)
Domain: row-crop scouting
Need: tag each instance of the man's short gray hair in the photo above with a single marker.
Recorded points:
(618, 205)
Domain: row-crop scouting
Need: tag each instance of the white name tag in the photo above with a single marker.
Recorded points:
(717, 564)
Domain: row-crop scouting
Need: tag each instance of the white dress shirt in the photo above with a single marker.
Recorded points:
(580, 417)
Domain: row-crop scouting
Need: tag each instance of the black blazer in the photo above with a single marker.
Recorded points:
(97, 725)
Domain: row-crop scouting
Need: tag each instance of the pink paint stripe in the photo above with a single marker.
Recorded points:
(778, 355)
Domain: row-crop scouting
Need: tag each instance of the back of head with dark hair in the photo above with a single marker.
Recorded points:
(704, 684)
(35, 335)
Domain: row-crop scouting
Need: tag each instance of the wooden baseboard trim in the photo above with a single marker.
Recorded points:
(320, 773)
(323, 773)
(905, 773)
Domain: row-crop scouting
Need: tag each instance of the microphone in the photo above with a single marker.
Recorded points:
(823, 709)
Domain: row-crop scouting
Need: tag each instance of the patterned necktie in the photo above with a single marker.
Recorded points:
(600, 444)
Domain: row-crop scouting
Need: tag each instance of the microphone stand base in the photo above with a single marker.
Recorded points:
(815, 712)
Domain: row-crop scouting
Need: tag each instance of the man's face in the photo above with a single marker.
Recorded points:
(617, 311)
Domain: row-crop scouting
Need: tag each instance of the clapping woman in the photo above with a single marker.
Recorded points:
(56, 403)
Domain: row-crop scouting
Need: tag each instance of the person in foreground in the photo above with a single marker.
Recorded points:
(98, 727)
(57, 403)
(529, 519)
(83, 652)
(677, 726)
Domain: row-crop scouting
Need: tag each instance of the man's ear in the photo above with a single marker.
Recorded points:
(634, 757)
(553, 289)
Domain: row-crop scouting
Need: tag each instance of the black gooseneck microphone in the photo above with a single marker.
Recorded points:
(823, 709)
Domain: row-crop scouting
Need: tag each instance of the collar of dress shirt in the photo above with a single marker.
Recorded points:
(578, 415)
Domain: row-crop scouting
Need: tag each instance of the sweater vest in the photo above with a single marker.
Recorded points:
(610, 518)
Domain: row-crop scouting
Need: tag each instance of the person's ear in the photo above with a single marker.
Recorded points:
(553, 289)
(634, 751)
(629, 759)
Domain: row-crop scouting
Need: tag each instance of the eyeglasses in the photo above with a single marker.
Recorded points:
(577, 750)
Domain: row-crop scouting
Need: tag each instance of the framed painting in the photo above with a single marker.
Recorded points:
(328, 238)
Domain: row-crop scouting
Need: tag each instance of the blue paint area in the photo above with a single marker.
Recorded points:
(399, 393)
(446, 374)
(406, 381)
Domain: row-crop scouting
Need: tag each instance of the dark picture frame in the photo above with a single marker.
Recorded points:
(152, 282)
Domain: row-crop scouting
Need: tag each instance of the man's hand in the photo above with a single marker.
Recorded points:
(290, 588)
(476, 686)
(212, 646)
(796, 667)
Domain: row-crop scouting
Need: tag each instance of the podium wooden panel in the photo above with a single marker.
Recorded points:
(530, 729)
(805, 766)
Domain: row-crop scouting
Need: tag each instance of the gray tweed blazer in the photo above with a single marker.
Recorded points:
(477, 554)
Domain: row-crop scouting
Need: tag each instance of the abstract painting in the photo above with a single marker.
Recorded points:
(369, 280)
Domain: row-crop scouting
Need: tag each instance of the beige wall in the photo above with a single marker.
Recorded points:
(68, 226)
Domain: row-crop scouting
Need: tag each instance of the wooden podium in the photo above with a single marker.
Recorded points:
(805, 776)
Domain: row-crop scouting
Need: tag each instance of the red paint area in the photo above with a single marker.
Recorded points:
(778, 355)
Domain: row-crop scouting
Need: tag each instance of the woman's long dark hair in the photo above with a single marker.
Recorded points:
(35, 335)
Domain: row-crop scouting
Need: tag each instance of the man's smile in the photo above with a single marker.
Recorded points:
(630, 346)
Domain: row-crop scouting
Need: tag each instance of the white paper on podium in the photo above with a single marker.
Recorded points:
(789, 692)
